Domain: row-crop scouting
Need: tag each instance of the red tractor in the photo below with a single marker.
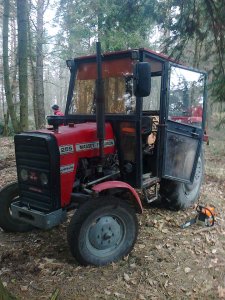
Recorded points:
(125, 127)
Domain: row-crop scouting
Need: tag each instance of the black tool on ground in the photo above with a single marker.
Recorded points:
(205, 215)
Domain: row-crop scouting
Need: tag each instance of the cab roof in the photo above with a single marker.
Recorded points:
(129, 53)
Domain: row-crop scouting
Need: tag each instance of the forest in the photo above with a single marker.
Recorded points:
(38, 36)
(36, 39)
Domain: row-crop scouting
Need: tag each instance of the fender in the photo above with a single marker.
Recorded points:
(108, 185)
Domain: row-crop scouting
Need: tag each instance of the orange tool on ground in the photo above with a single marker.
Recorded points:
(205, 215)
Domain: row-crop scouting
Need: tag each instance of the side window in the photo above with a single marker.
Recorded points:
(152, 102)
(186, 96)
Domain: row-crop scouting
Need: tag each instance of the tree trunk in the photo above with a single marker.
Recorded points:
(8, 91)
(22, 58)
(39, 86)
(6, 126)
(34, 95)
(2, 98)
(31, 55)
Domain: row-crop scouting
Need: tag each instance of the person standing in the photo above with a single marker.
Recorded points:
(56, 110)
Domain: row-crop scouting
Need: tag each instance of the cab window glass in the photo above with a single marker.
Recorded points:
(186, 96)
(117, 78)
(152, 102)
(117, 98)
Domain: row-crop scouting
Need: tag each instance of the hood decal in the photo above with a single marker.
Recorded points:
(66, 149)
(94, 145)
(67, 169)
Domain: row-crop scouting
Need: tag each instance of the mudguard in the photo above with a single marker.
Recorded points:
(108, 185)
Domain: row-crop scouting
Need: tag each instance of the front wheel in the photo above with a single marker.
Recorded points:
(8, 195)
(178, 195)
(102, 231)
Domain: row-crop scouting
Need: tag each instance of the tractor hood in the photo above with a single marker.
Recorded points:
(82, 139)
(76, 141)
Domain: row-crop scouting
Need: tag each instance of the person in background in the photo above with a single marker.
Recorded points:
(56, 110)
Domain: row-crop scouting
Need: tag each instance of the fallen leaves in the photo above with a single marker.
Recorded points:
(119, 295)
(187, 270)
(167, 262)
(24, 288)
(126, 277)
(221, 292)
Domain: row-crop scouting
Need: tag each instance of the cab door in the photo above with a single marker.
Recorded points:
(184, 123)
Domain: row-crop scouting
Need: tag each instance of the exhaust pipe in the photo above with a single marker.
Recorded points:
(100, 103)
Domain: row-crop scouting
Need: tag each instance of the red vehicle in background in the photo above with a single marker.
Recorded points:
(193, 116)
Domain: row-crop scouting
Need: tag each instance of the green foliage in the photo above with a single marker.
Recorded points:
(118, 25)
(197, 27)
(5, 294)
(218, 87)
(192, 31)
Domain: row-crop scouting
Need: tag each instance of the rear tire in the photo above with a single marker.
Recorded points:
(102, 231)
(8, 195)
(177, 195)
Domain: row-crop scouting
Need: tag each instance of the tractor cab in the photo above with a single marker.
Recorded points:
(158, 131)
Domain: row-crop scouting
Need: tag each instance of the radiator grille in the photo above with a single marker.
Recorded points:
(38, 154)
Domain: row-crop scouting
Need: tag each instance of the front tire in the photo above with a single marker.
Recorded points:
(102, 231)
(177, 195)
(8, 195)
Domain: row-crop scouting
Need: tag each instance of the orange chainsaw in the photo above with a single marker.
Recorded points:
(205, 215)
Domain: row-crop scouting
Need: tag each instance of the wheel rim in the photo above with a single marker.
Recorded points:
(105, 235)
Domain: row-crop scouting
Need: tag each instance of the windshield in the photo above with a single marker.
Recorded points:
(117, 78)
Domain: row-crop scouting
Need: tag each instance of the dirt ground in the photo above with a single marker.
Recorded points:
(166, 263)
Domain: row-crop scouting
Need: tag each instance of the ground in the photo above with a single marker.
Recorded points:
(167, 262)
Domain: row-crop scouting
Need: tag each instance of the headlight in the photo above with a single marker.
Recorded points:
(24, 174)
(44, 179)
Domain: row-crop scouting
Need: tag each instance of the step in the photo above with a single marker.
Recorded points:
(149, 181)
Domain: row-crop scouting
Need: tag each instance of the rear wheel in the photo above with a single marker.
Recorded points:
(8, 195)
(102, 231)
(178, 195)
